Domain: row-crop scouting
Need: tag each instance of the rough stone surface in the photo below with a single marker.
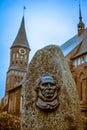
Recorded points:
(50, 60)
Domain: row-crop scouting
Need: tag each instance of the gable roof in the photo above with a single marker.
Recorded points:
(81, 40)
(83, 47)
(21, 38)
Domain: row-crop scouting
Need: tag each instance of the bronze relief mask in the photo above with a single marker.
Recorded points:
(47, 93)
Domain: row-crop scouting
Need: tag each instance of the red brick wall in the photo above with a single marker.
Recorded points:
(14, 102)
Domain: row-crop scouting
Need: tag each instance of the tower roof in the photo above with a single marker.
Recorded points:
(21, 38)
(79, 40)
(81, 25)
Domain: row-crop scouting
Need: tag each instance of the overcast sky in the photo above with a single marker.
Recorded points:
(46, 22)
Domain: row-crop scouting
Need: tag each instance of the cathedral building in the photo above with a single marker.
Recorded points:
(19, 55)
(75, 51)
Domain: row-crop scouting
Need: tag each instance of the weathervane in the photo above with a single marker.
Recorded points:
(24, 10)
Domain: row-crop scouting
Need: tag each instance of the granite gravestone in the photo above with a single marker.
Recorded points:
(49, 92)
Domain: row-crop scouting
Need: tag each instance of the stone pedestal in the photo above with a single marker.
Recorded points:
(50, 61)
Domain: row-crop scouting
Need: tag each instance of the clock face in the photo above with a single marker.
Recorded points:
(22, 51)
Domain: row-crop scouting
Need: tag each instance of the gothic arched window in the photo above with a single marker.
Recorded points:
(81, 86)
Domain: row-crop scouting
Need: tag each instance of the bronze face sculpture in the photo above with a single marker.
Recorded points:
(47, 93)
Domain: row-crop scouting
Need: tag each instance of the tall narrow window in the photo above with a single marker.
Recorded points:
(21, 57)
(82, 60)
(81, 91)
(78, 61)
(17, 55)
(12, 72)
(86, 58)
(25, 57)
(13, 56)
(81, 86)
(75, 62)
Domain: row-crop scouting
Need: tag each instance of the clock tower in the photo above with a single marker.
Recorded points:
(19, 55)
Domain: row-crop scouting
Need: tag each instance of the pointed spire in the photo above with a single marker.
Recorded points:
(81, 25)
(21, 38)
(80, 14)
